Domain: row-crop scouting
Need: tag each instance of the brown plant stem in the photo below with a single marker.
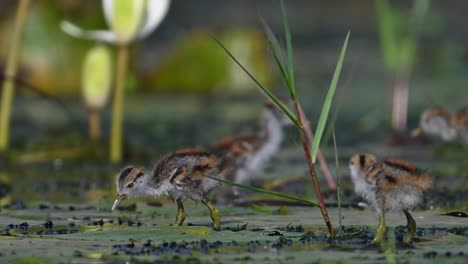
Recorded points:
(323, 163)
(11, 68)
(94, 124)
(117, 107)
(305, 145)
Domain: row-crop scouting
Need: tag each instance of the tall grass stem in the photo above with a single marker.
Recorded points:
(10, 72)
(117, 107)
(265, 91)
(338, 175)
(312, 171)
(289, 49)
(328, 100)
(288, 76)
(323, 163)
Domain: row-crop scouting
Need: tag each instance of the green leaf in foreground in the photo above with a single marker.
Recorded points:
(328, 101)
(338, 181)
(264, 90)
(287, 71)
(289, 49)
(276, 50)
(258, 190)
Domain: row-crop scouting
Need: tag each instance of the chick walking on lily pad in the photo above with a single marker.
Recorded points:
(389, 185)
(181, 175)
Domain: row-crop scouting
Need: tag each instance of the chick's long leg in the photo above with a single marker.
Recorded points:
(411, 227)
(180, 213)
(380, 234)
(215, 216)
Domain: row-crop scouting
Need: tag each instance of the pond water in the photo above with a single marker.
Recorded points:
(57, 192)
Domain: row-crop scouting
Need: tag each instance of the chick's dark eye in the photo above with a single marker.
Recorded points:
(130, 185)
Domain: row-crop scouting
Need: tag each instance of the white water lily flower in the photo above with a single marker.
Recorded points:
(129, 21)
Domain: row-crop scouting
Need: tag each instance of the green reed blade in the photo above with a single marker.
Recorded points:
(259, 190)
(328, 101)
(264, 90)
(289, 50)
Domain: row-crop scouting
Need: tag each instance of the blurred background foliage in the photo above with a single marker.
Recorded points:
(51, 59)
(173, 70)
(182, 45)
(180, 56)
(195, 63)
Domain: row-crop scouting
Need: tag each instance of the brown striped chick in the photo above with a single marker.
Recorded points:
(460, 123)
(250, 153)
(180, 175)
(436, 122)
(389, 185)
(359, 165)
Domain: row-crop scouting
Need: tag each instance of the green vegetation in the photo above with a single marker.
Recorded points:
(102, 236)
(126, 23)
(206, 69)
(338, 180)
(10, 72)
(328, 101)
(287, 73)
(129, 21)
(56, 186)
(259, 190)
(399, 34)
(96, 84)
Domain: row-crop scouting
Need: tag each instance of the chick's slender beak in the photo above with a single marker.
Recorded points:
(119, 199)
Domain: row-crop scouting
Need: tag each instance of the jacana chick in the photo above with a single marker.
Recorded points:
(250, 153)
(181, 175)
(389, 185)
(436, 122)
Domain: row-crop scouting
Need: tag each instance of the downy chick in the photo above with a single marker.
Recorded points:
(436, 122)
(180, 175)
(248, 154)
(389, 185)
